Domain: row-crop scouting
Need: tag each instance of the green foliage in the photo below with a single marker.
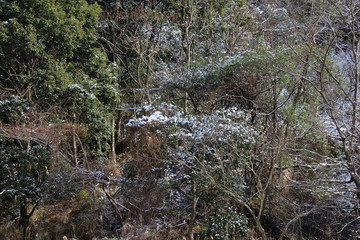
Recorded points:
(226, 223)
(43, 35)
(50, 57)
(12, 110)
(239, 79)
(67, 189)
(83, 107)
(51, 81)
(46, 25)
(83, 194)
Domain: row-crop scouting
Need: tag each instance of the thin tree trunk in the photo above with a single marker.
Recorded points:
(74, 143)
(193, 211)
(113, 154)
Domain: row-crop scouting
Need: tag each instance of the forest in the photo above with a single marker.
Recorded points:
(179, 119)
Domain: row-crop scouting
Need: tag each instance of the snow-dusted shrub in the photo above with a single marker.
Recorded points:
(208, 152)
(232, 81)
(23, 173)
(224, 223)
(13, 109)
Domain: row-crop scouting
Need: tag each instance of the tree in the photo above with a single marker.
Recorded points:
(327, 49)
(332, 48)
(339, 75)
(50, 59)
(40, 33)
(201, 169)
(24, 169)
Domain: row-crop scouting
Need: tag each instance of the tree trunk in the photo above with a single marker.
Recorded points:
(113, 154)
(193, 212)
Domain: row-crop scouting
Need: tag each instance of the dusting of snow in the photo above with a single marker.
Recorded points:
(145, 120)
(221, 125)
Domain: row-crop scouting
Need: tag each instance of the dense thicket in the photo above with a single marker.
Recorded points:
(185, 119)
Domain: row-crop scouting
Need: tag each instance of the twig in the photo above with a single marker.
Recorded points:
(113, 202)
(346, 225)
(293, 220)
